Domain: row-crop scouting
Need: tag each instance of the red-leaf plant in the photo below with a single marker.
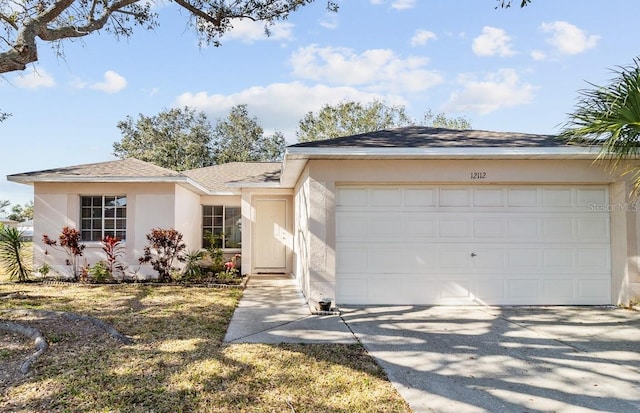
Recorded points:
(113, 249)
(69, 242)
(164, 248)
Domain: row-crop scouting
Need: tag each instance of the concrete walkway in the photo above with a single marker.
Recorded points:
(273, 310)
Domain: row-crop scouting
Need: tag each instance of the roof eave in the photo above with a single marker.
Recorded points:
(568, 152)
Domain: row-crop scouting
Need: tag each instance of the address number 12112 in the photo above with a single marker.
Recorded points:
(478, 175)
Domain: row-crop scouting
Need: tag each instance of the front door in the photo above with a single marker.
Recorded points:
(271, 234)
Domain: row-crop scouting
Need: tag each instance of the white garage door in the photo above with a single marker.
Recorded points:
(472, 245)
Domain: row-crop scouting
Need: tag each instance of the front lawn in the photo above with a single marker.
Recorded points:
(177, 362)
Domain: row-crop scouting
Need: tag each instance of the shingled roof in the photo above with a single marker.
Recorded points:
(215, 178)
(122, 169)
(428, 137)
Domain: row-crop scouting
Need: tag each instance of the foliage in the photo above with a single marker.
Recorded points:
(505, 4)
(609, 117)
(351, 118)
(177, 139)
(23, 24)
(12, 255)
(100, 272)
(44, 269)
(114, 250)
(192, 269)
(3, 205)
(4, 116)
(69, 242)
(22, 213)
(230, 269)
(214, 248)
(240, 138)
(164, 249)
(440, 120)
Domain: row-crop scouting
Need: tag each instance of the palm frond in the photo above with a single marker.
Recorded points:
(11, 254)
(609, 117)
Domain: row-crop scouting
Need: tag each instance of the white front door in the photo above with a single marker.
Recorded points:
(270, 251)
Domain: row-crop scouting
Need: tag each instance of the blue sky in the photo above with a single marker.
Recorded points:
(504, 70)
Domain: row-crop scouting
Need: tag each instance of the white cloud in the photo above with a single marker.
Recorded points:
(421, 37)
(397, 4)
(538, 55)
(249, 31)
(498, 90)
(330, 21)
(492, 42)
(294, 100)
(403, 4)
(379, 70)
(113, 83)
(569, 39)
(34, 79)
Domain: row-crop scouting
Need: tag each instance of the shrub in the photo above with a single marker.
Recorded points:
(100, 272)
(69, 242)
(12, 255)
(165, 247)
(192, 269)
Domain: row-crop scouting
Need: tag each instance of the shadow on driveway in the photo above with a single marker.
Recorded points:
(506, 359)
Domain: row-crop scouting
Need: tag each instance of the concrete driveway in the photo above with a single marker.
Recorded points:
(519, 359)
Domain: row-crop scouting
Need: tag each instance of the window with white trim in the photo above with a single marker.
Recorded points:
(102, 215)
(224, 222)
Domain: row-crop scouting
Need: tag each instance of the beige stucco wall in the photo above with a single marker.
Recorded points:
(316, 191)
(302, 250)
(58, 204)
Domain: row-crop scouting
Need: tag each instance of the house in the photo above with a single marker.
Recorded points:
(414, 215)
(8, 223)
(26, 229)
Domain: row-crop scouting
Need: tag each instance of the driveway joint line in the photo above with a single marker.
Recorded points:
(269, 328)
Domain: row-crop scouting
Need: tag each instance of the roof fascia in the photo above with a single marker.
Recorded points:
(569, 152)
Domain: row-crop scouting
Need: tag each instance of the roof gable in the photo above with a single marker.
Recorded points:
(218, 177)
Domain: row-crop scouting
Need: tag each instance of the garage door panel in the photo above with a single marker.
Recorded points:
(455, 227)
(488, 197)
(421, 226)
(455, 197)
(522, 197)
(590, 197)
(420, 197)
(489, 228)
(389, 260)
(476, 244)
(557, 197)
(593, 289)
(593, 258)
(385, 197)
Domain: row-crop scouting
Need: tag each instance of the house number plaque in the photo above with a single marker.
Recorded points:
(478, 175)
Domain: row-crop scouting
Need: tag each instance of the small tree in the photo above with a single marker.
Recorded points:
(69, 242)
(164, 249)
(12, 254)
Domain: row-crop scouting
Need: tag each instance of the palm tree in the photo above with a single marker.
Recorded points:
(12, 254)
(609, 117)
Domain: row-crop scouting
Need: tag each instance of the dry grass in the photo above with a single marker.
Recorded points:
(177, 362)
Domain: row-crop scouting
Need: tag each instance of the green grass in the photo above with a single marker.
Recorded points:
(178, 362)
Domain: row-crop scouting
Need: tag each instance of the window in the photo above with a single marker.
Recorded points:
(223, 221)
(103, 215)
